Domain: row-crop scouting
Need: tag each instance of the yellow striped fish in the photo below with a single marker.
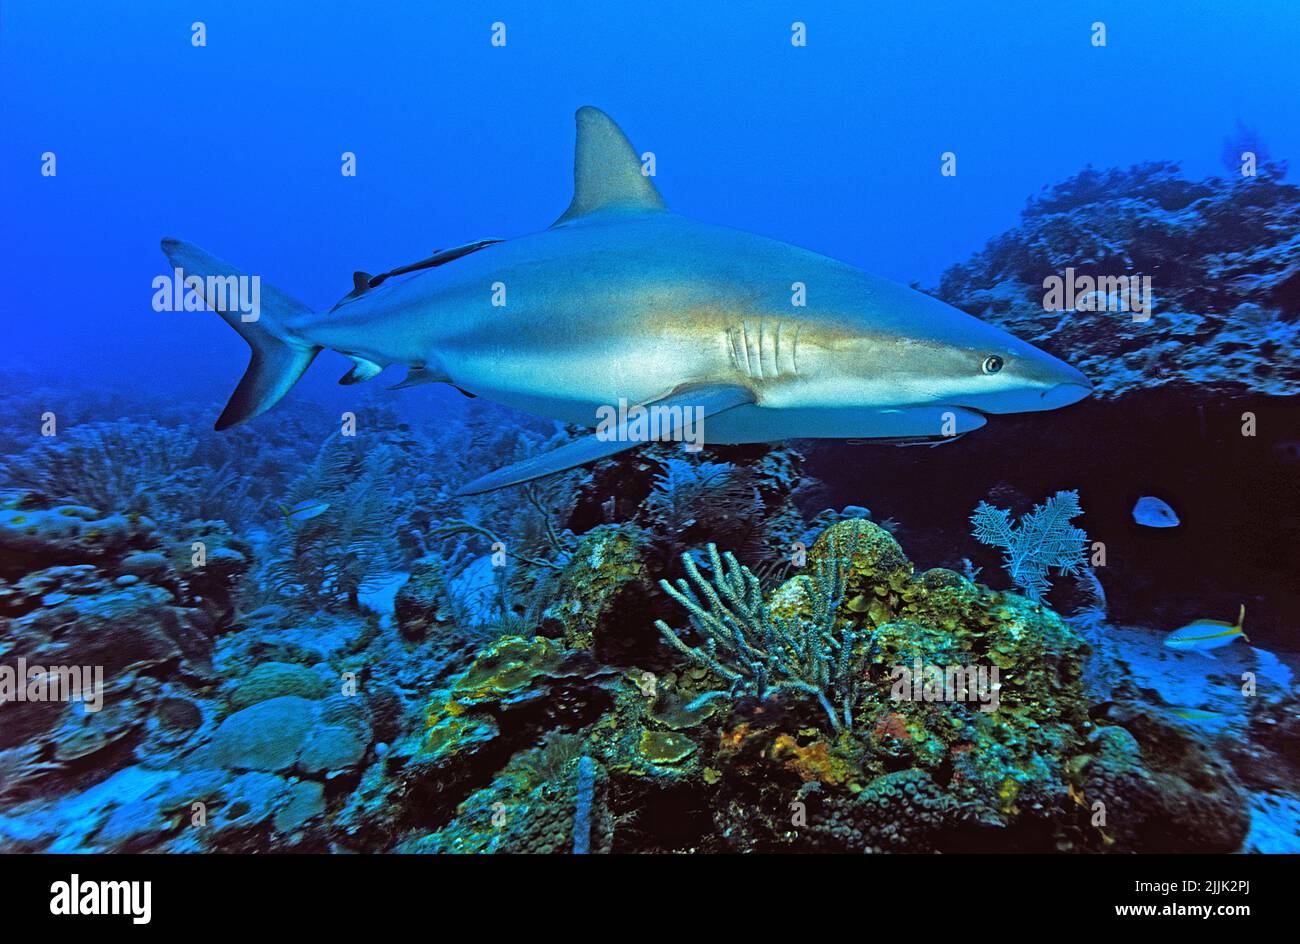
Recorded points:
(1203, 635)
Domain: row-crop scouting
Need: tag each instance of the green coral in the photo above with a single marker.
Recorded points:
(551, 761)
(996, 763)
(605, 577)
(512, 815)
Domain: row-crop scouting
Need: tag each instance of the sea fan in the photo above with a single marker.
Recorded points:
(1044, 539)
(683, 489)
(118, 466)
(550, 762)
(714, 500)
(330, 560)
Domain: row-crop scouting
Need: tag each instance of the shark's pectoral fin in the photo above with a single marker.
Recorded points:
(362, 369)
(607, 172)
(687, 406)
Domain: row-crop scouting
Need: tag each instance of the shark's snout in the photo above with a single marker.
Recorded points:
(1044, 383)
(1031, 384)
(1066, 393)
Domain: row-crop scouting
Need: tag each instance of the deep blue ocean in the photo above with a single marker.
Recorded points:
(835, 146)
(299, 635)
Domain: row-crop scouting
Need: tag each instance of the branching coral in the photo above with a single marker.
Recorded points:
(1043, 539)
(761, 653)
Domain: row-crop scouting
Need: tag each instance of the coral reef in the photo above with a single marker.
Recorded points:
(668, 652)
(1222, 256)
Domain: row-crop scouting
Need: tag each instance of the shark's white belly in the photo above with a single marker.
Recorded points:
(572, 382)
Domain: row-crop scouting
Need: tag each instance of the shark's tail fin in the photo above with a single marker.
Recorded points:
(279, 359)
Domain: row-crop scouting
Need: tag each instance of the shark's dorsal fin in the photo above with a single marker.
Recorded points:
(360, 283)
(606, 170)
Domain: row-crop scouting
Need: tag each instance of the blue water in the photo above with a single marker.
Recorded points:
(835, 146)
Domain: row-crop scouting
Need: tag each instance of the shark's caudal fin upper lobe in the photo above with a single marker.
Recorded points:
(278, 359)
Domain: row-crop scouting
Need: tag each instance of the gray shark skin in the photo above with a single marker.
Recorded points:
(623, 300)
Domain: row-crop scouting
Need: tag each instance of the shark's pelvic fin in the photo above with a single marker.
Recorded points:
(278, 360)
(708, 400)
(606, 170)
(416, 376)
(362, 369)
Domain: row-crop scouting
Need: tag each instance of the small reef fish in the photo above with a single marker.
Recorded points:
(1288, 450)
(1154, 513)
(1196, 714)
(1201, 636)
(304, 511)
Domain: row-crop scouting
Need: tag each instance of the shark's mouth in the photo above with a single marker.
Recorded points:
(1027, 400)
(1064, 394)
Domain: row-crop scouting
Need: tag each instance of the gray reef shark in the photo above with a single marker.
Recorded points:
(622, 301)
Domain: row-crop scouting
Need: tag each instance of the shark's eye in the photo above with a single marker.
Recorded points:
(992, 364)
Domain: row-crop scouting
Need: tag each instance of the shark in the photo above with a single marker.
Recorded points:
(622, 301)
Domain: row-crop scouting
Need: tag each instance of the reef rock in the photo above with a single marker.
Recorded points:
(1224, 262)
(605, 580)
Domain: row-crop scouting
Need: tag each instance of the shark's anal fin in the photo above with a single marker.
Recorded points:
(698, 402)
(362, 369)
(607, 172)
(423, 375)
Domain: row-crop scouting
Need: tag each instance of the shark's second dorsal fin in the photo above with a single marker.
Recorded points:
(360, 282)
(606, 170)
